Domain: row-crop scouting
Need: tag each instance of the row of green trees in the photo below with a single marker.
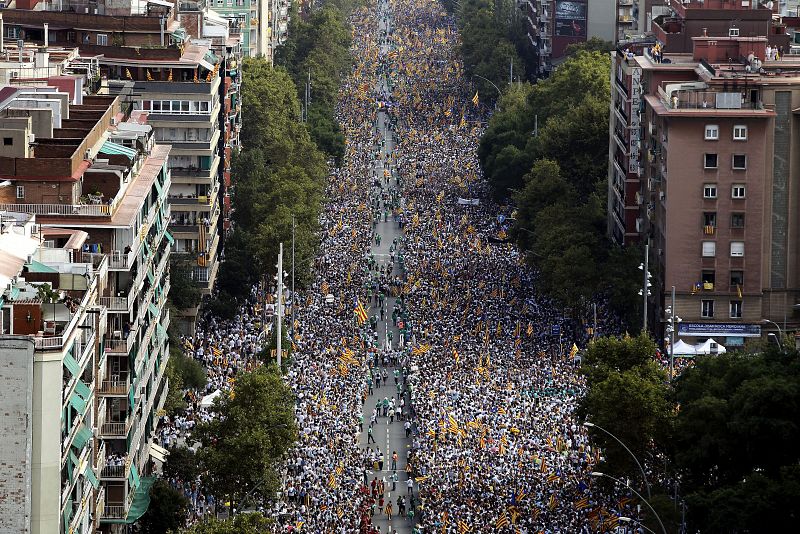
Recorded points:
(726, 429)
(319, 51)
(547, 149)
(279, 174)
(239, 453)
(493, 37)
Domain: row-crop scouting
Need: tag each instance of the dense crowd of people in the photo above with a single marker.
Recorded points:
(486, 376)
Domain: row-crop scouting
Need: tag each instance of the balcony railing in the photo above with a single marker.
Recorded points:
(116, 303)
(115, 471)
(115, 511)
(116, 428)
(119, 346)
(115, 387)
(88, 210)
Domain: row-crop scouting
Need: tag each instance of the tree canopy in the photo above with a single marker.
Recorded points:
(249, 523)
(279, 173)
(735, 441)
(256, 426)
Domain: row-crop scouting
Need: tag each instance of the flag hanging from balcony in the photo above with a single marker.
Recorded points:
(169, 79)
(128, 74)
(149, 76)
(195, 77)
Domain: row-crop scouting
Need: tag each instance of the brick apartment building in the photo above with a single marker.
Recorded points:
(701, 167)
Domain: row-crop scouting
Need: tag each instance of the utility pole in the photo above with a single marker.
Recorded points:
(644, 286)
(280, 303)
(672, 338)
(293, 297)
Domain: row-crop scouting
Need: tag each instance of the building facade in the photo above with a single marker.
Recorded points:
(91, 296)
(701, 168)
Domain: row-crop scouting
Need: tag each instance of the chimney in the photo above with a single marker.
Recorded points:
(46, 35)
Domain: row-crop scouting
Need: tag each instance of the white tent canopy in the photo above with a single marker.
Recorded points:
(710, 347)
(208, 400)
(681, 348)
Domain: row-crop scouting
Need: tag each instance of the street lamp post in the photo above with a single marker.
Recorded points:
(599, 474)
(635, 459)
(624, 519)
(499, 92)
(780, 332)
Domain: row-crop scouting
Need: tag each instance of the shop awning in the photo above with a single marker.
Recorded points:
(91, 477)
(117, 149)
(82, 436)
(39, 267)
(72, 364)
(158, 453)
(141, 501)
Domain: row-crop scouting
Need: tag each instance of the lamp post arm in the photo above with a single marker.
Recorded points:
(635, 459)
(663, 528)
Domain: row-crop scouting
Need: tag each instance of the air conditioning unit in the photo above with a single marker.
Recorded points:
(31, 138)
(733, 32)
(113, 121)
(661, 195)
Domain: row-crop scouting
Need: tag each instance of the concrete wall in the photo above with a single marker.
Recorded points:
(16, 439)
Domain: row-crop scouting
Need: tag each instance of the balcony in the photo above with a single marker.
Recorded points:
(115, 429)
(116, 304)
(709, 229)
(86, 210)
(115, 510)
(116, 345)
(118, 386)
(115, 472)
(203, 200)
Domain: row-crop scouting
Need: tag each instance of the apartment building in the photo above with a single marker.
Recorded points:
(87, 296)
(260, 25)
(677, 22)
(702, 169)
(188, 84)
(555, 24)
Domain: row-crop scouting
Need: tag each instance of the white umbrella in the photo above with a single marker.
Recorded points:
(710, 347)
(208, 400)
(682, 348)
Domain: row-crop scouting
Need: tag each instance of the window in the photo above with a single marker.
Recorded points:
(740, 133)
(709, 249)
(71, 37)
(706, 308)
(204, 107)
(146, 105)
(8, 141)
(712, 132)
(102, 39)
(708, 277)
(737, 279)
(737, 220)
(737, 249)
(710, 191)
(736, 309)
(710, 161)
(737, 191)
(739, 161)
(710, 218)
(20, 191)
(156, 105)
